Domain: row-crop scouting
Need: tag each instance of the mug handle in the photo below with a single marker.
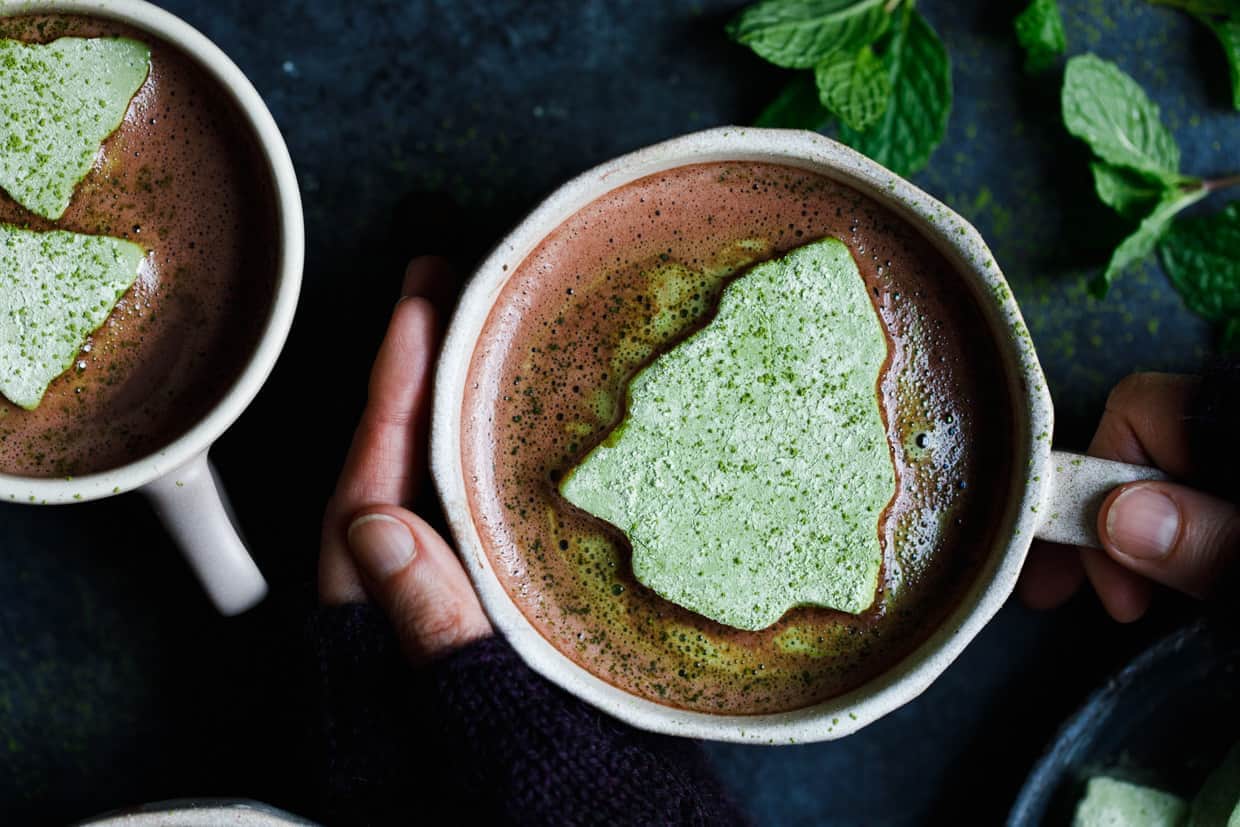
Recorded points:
(195, 511)
(1079, 486)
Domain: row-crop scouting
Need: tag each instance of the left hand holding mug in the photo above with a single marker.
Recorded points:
(373, 547)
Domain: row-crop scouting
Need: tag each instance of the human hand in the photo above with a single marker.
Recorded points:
(373, 547)
(1152, 532)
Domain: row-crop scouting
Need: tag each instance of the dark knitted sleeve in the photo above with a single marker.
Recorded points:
(549, 758)
(1214, 436)
(480, 735)
(1215, 443)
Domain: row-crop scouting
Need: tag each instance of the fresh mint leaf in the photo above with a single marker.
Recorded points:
(1228, 33)
(1202, 259)
(1230, 343)
(1141, 242)
(1108, 110)
(915, 120)
(797, 107)
(800, 34)
(854, 86)
(1039, 28)
(1129, 193)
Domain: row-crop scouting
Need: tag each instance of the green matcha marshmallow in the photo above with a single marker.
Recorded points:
(55, 289)
(1112, 803)
(58, 102)
(752, 467)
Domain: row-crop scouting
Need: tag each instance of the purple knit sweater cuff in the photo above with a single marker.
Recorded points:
(479, 734)
(547, 757)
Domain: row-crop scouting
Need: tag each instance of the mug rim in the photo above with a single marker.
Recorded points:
(290, 223)
(964, 248)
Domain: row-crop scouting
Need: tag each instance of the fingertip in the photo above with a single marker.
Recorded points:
(1127, 607)
(424, 275)
(382, 545)
(1124, 594)
(1052, 574)
(416, 314)
(1032, 595)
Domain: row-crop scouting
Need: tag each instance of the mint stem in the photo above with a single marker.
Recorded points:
(1214, 184)
(892, 5)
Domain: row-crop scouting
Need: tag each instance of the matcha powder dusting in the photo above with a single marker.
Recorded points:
(752, 468)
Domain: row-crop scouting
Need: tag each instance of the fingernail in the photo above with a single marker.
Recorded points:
(382, 545)
(1143, 523)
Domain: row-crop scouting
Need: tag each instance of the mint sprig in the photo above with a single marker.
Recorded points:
(1223, 18)
(800, 34)
(1138, 171)
(1140, 243)
(879, 68)
(915, 120)
(1039, 28)
(1138, 175)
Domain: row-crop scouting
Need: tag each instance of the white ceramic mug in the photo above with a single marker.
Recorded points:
(1055, 495)
(179, 479)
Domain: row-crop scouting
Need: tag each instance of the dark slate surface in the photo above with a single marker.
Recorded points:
(117, 682)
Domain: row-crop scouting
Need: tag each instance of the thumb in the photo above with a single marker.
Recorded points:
(417, 580)
(1172, 534)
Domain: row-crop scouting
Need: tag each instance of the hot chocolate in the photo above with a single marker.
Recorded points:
(183, 177)
(630, 274)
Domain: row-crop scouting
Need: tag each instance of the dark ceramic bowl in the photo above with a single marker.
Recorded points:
(1165, 720)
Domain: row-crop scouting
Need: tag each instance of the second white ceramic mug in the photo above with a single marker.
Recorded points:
(1055, 495)
(179, 479)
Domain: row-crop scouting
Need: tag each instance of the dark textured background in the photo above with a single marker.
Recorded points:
(118, 684)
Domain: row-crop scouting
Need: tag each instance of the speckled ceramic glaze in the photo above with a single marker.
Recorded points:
(1026, 514)
(178, 478)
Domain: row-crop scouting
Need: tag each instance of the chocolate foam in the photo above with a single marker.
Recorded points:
(620, 280)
